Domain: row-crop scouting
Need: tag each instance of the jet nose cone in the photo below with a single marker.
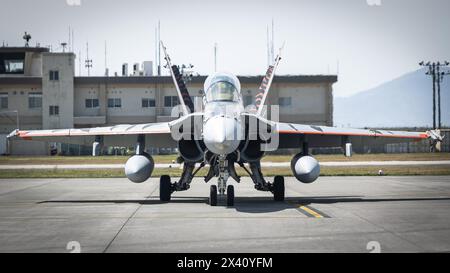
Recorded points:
(220, 138)
(219, 132)
(222, 135)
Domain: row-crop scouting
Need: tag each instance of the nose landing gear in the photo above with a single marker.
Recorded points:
(223, 176)
(230, 196)
(213, 197)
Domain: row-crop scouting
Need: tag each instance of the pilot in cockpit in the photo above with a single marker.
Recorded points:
(222, 87)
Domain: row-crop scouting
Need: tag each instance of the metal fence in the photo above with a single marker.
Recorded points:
(419, 147)
(407, 147)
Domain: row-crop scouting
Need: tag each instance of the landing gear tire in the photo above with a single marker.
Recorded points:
(230, 196)
(165, 190)
(278, 189)
(213, 196)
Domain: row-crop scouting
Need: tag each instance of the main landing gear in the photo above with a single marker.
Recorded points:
(166, 187)
(277, 187)
(223, 169)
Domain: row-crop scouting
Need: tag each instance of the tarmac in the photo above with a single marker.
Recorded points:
(335, 214)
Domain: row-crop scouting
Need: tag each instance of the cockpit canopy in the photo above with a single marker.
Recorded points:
(222, 87)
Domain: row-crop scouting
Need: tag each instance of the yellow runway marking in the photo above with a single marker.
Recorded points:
(312, 212)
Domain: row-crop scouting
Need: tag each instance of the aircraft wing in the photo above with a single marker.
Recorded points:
(292, 135)
(156, 135)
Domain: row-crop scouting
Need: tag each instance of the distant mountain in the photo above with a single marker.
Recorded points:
(403, 102)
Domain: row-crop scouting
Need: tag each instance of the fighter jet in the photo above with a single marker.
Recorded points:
(222, 135)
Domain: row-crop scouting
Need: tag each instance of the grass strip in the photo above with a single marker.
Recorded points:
(176, 172)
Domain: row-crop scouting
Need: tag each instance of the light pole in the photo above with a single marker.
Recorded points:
(440, 79)
(437, 76)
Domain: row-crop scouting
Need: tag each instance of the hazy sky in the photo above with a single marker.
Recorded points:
(373, 44)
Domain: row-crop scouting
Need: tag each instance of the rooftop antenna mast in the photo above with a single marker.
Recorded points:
(268, 46)
(273, 41)
(79, 64)
(88, 62)
(271, 45)
(106, 60)
(156, 51)
(159, 48)
(215, 57)
(70, 39)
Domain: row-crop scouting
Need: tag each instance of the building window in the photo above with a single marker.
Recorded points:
(148, 103)
(92, 103)
(54, 75)
(114, 103)
(171, 101)
(3, 100)
(285, 102)
(13, 66)
(35, 100)
(12, 62)
(54, 110)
